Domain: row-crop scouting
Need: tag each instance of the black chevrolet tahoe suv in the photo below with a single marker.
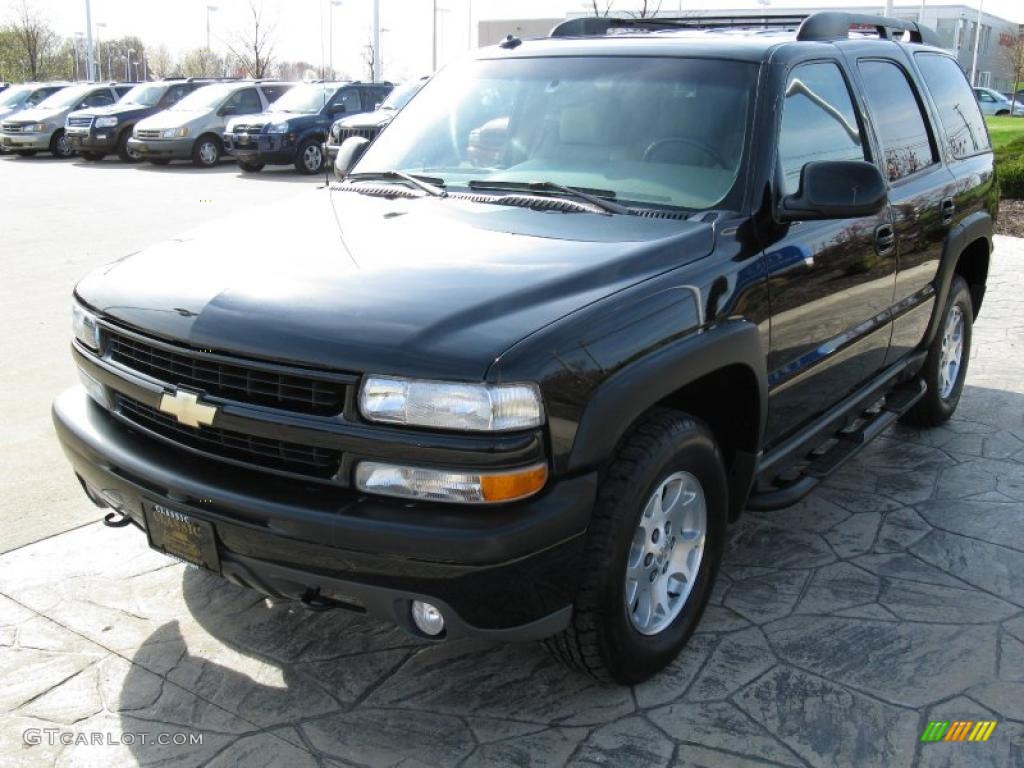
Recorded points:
(523, 398)
(293, 129)
(96, 133)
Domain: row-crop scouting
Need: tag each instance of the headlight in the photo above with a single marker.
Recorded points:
(448, 405)
(85, 328)
(106, 122)
(175, 133)
(336, 132)
(458, 487)
(278, 127)
(37, 128)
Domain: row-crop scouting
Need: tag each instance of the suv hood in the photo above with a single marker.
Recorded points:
(40, 115)
(422, 287)
(111, 109)
(368, 119)
(168, 119)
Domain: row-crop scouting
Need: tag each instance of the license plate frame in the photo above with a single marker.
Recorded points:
(181, 535)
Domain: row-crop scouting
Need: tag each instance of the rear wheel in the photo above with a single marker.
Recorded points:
(60, 145)
(945, 368)
(206, 152)
(125, 152)
(26, 152)
(250, 167)
(92, 157)
(309, 158)
(653, 550)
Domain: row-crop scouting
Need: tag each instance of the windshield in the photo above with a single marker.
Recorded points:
(65, 97)
(661, 131)
(144, 95)
(14, 97)
(307, 99)
(203, 99)
(400, 96)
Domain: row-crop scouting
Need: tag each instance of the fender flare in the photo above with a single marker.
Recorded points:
(976, 226)
(617, 403)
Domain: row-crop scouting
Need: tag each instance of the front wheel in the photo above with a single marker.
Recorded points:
(653, 550)
(309, 158)
(206, 152)
(124, 151)
(60, 146)
(945, 368)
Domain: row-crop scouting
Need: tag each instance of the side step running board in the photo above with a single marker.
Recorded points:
(845, 443)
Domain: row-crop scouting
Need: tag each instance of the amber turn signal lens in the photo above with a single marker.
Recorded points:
(514, 485)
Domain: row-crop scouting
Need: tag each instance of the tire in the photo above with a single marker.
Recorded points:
(160, 161)
(206, 152)
(248, 167)
(92, 157)
(26, 152)
(124, 152)
(944, 384)
(60, 146)
(309, 157)
(1002, 113)
(606, 638)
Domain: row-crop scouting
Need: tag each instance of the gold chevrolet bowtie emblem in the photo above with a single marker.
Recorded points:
(185, 406)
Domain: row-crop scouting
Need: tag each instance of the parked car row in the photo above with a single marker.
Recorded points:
(993, 102)
(258, 122)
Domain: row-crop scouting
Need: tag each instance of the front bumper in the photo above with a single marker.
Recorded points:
(162, 149)
(93, 139)
(12, 142)
(507, 573)
(272, 148)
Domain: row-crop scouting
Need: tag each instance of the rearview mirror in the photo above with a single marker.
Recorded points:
(349, 152)
(835, 189)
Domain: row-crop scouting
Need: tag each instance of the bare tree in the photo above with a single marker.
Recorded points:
(369, 58)
(1011, 57)
(647, 10)
(161, 63)
(253, 46)
(200, 62)
(34, 37)
(596, 7)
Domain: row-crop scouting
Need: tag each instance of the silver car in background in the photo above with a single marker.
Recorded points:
(992, 102)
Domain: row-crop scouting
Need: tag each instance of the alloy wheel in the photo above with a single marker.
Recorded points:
(952, 350)
(313, 158)
(665, 555)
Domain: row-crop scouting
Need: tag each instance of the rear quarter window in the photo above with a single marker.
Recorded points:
(901, 127)
(958, 110)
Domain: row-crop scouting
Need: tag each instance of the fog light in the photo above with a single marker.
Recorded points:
(427, 618)
(96, 390)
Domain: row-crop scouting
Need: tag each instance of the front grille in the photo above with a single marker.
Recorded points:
(147, 134)
(248, 128)
(79, 122)
(241, 381)
(366, 133)
(12, 127)
(263, 452)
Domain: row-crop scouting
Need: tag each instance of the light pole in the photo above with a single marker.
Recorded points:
(77, 41)
(88, 32)
(99, 53)
(330, 27)
(977, 39)
(376, 41)
(128, 66)
(209, 9)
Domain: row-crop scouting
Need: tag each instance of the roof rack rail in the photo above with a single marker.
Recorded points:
(818, 26)
(835, 25)
(591, 26)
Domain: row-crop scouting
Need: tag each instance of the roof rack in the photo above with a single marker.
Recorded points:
(819, 26)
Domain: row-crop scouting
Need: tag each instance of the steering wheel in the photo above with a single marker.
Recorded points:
(654, 146)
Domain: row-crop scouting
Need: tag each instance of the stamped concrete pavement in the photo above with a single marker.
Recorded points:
(892, 596)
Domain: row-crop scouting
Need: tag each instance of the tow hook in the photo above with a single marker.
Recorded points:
(116, 520)
(312, 600)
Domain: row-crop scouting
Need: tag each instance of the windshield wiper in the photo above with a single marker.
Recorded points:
(432, 186)
(596, 197)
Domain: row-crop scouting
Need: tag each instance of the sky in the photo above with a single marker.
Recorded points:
(303, 27)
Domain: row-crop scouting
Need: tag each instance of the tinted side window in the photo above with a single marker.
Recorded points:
(349, 97)
(99, 99)
(274, 92)
(901, 127)
(246, 102)
(958, 112)
(175, 94)
(818, 121)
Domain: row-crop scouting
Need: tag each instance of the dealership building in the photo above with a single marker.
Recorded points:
(956, 25)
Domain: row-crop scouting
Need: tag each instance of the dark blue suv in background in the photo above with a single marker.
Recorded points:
(295, 126)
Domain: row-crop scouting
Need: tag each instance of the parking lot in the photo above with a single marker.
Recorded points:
(892, 596)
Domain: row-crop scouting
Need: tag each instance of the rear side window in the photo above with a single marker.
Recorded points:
(818, 121)
(961, 119)
(902, 130)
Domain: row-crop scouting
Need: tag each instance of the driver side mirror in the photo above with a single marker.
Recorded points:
(337, 109)
(349, 152)
(835, 189)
